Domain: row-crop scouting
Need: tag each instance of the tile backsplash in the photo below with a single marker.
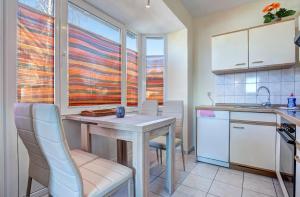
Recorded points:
(242, 87)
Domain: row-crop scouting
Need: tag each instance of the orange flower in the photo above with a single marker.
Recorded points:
(268, 8)
(276, 5)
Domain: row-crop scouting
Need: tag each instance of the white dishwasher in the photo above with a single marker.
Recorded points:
(212, 143)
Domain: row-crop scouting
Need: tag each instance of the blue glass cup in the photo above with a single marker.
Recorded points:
(120, 112)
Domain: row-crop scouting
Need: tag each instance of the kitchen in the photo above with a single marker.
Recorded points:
(223, 77)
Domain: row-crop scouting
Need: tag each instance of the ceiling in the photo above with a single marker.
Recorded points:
(204, 7)
(158, 19)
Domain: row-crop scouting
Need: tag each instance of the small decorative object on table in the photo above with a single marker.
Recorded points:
(120, 112)
(275, 13)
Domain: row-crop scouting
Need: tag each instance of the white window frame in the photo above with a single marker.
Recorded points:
(1, 104)
(144, 63)
(64, 99)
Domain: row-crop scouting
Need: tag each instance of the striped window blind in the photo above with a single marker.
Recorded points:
(35, 69)
(132, 70)
(94, 62)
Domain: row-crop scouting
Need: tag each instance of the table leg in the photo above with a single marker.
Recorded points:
(122, 152)
(170, 159)
(85, 138)
(140, 163)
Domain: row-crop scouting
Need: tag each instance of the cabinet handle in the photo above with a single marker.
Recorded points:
(297, 158)
(239, 127)
(257, 62)
(240, 64)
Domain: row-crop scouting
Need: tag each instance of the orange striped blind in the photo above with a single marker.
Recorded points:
(155, 78)
(132, 78)
(94, 69)
(35, 69)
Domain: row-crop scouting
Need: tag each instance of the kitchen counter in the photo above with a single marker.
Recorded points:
(292, 116)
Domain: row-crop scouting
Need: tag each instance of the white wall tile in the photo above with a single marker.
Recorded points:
(284, 100)
(240, 78)
(220, 90)
(261, 99)
(229, 99)
(240, 89)
(288, 75)
(251, 89)
(274, 75)
(220, 99)
(251, 77)
(297, 73)
(229, 90)
(229, 78)
(262, 76)
(276, 99)
(287, 88)
(250, 99)
(239, 99)
(275, 88)
(297, 88)
(220, 79)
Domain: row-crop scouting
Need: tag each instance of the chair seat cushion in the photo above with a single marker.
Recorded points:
(81, 157)
(160, 142)
(102, 176)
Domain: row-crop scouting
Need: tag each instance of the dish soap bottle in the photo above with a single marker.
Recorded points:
(291, 101)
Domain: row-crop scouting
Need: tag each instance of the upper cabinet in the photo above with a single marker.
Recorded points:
(269, 46)
(230, 51)
(272, 44)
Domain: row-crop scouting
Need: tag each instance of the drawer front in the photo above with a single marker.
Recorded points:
(248, 116)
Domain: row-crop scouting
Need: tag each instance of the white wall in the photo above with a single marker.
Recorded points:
(177, 70)
(244, 16)
(185, 17)
(1, 104)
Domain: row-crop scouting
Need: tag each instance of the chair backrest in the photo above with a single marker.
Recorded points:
(149, 107)
(65, 179)
(38, 166)
(175, 109)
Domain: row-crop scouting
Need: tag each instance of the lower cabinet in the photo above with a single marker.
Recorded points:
(253, 145)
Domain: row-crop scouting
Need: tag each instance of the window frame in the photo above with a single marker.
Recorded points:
(64, 58)
(144, 64)
(1, 103)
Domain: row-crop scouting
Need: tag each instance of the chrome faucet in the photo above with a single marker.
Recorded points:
(268, 103)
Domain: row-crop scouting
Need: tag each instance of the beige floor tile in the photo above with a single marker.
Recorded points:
(237, 172)
(249, 193)
(153, 195)
(184, 191)
(158, 187)
(258, 185)
(179, 176)
(205, 170)
(278, 190)
(229, 178)
(197, 182)
(157, 170)
(225, 190)
(210, 195)
(189, 165)
(258, 177)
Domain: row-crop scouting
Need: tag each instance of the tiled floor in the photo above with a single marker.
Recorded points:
(204, 180)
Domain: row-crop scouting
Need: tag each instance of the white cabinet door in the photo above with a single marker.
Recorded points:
(272, 44)
(230, 51)
(253, 145)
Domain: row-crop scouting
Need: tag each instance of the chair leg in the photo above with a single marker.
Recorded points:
(182, 154)
(160, 156)
(29, 182)
(157, 156)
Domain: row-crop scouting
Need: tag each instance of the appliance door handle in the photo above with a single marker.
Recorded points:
(286, 138)
(240, 64)
(239, 127)
(258, 62)
(297, 158)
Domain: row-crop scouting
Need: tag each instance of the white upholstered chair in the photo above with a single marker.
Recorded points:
(99, 177)
(38, 166)
(172, 109)
(149, 107)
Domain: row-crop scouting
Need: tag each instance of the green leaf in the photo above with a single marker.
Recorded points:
(291, 12)
(268, 19)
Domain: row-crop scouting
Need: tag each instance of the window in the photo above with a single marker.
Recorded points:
(132, 69)
(35, 69)
(94, 60)
(155, 65)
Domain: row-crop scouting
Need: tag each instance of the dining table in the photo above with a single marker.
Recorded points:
(137, 129)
